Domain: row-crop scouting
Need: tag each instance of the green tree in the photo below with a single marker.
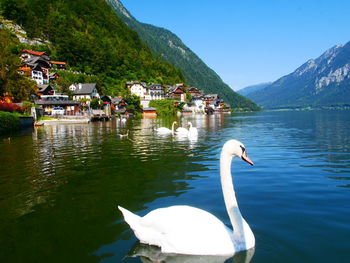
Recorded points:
(133, 102)
(11, 82)
(165, 107)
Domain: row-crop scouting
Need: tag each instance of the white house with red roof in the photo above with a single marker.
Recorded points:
(36, 65)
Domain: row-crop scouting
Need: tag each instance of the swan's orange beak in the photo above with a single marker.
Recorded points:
(246, 158)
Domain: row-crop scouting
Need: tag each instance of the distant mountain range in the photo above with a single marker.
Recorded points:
(253, 88)
(170, 48)
(321, 82)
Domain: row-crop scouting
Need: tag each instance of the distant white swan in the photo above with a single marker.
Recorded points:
(124, 135)
(192, 131)
(192, 231)
(181, 131)
(165, 131)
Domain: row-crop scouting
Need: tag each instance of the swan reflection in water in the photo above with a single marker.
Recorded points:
(153, 254)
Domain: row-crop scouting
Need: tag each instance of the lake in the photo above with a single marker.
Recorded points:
(60, 186)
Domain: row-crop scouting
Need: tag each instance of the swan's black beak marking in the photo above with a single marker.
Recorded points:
(246, 159)
(245, 156)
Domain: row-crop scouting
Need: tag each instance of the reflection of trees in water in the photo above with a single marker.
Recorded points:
(74, 176)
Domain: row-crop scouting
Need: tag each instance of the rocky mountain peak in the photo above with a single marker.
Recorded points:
(116, 4)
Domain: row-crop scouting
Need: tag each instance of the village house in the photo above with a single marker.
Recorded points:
(35, 65)
(194, 91)
(44, 90)
(146, 93)
(58, 65)
(137, 88)
(119, 104)
(50, 102)
(155, 92)
(27, 54)
(177, 91)
(53, 76)
(211, 97)
(84, 91)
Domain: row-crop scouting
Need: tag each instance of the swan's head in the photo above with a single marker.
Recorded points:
(236, 148)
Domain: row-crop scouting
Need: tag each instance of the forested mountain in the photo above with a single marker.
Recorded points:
(321, 82)
(170, 48)
(253, 88)
(91, 38)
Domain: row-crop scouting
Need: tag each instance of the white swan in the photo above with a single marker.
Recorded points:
(182, 132)
(124, 135)
(192, 131)
(165, 131)
(192, 231)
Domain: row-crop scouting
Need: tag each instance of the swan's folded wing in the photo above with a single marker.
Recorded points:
(186, 230)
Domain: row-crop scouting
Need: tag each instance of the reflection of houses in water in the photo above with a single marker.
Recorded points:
(204, 121)
(215, 121)
(144, 127)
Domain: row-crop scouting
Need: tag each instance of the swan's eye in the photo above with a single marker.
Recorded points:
(243, 149)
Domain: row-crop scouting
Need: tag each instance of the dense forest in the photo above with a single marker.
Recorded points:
(89, 36)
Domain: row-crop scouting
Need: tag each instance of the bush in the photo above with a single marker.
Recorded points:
(164, 107)
(11, 107)
(8, 122)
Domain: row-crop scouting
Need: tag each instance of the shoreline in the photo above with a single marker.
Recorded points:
(58, 121)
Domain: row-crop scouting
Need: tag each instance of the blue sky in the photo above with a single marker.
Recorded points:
(250, 42)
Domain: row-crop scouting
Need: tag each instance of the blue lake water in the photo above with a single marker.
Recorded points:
(60, 186)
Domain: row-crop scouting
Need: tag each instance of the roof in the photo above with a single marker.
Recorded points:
(116, 100)
(173, 89)
(156, 86)
(42, 88)
(62, 102)
(58, 62)
(52, 74)
(33, 62)
(33, 52)
(149, 109)
(130, 83)
(86, 88)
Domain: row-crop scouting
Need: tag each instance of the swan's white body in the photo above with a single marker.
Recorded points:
(124, 135)
(182, 132)
(192, 231)
(192, 131)
(166, 131)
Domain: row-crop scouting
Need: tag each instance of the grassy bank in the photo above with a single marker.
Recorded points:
(9, 122)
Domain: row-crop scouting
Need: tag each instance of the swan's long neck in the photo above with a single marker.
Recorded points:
(172, 128)
(232, 208)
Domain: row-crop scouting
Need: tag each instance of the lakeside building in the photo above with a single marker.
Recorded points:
(84, 91)
(45, 90)
(49, 102)
(146, 93)
(177, 91)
